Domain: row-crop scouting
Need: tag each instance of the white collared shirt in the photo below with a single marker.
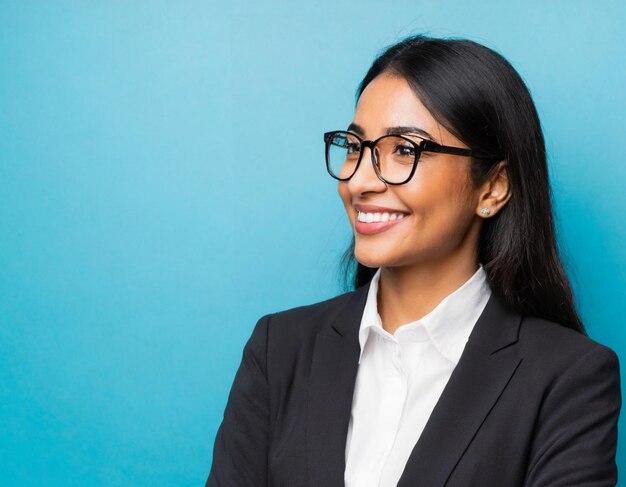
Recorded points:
(400, 379)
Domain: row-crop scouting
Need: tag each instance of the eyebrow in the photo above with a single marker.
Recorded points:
(399, 130)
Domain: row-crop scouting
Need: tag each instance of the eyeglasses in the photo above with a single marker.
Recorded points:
(394, 157)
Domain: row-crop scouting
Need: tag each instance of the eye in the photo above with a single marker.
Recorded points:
(352, 147)
(405, 150)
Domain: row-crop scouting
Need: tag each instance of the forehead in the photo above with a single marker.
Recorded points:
(389, 101)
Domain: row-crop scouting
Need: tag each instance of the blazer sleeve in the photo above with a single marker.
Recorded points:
(576, 434)
(241, 441)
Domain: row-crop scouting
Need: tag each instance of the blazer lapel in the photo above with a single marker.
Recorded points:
(331, 386)
(483, 371)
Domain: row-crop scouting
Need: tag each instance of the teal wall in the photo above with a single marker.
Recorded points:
(162, 186)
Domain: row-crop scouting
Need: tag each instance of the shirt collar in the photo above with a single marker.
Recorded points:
(447, 326)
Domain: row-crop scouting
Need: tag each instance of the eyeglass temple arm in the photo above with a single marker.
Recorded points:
(430, 146)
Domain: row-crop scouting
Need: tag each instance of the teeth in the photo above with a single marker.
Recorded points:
(378, 217)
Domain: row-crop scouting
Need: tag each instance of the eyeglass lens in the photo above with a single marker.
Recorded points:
(394, 156)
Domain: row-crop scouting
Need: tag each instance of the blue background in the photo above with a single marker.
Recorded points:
(162, 186)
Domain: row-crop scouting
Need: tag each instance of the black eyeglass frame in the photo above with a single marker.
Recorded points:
(425, 145)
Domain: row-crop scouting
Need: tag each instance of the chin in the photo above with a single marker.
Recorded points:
(374, 256)
(371, 259)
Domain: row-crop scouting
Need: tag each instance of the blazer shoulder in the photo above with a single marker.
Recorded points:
(551, 343)
(309, 317)
(292, 333)
(290, 337)
(571, 390)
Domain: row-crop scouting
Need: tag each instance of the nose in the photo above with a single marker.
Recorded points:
(365, 178)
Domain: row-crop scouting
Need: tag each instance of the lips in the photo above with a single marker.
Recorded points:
(372, 219)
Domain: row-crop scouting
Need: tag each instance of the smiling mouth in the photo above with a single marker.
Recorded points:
(373, 223)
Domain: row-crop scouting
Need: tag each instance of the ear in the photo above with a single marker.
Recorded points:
(495, 191)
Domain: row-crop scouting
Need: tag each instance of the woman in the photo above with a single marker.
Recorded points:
(459, 359)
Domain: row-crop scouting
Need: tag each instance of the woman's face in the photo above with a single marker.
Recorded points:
(439, 203)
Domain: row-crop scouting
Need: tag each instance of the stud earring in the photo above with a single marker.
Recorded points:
(485, 211)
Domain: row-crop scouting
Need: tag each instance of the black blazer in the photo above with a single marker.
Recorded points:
(530, 403)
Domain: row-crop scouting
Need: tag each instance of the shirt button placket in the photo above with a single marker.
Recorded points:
(395, 411)
(391, 400)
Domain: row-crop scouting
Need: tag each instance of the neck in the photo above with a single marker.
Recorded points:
(406, 294)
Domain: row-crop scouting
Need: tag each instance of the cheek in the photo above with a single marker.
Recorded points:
(441, 208)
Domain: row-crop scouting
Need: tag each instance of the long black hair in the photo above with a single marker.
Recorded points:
(478, 96)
